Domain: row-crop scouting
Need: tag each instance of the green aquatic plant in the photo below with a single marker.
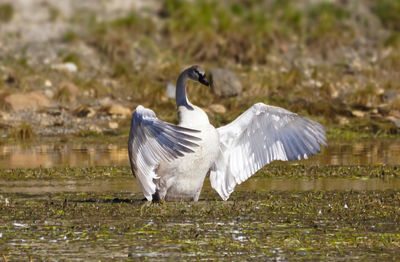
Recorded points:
(275, 225)
(276, 170)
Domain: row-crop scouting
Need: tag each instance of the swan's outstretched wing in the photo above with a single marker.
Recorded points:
(152, 141)
(259, 136)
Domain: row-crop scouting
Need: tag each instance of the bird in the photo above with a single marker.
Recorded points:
(172, 161)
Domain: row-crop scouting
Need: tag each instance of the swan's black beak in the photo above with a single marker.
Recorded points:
(203, 80)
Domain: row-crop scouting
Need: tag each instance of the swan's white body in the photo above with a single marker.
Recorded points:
(172, 161)
(182, 178)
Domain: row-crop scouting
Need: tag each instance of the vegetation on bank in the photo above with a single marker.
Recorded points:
(334, 61)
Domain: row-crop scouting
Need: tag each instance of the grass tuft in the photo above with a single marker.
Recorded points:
(24, 132)
(388, 12)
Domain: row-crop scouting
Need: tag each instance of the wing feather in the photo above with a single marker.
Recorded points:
(259, 136)
(152, 141)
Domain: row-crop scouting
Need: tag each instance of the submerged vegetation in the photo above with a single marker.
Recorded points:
(273, 225)
(272, 171)
(44, 221)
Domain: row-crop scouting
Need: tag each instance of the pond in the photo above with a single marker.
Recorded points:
(323, 208)
(256, 184)
(339, 152)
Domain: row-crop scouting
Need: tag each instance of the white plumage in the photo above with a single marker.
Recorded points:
(259, 136)
(171, 161)
(152, 141)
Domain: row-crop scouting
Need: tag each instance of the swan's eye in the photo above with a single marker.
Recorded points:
(203, 79)
(199, 75)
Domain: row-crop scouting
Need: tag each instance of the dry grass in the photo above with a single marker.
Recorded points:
(317, 58)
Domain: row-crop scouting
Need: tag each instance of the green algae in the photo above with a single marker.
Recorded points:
(65, 173)
(115, 224)
(270, 171)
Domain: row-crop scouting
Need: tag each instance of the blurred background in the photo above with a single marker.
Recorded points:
(71, 72)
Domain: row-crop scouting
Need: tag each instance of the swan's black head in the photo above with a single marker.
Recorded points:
(196, 73)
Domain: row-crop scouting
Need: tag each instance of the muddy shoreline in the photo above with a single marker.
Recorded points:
(251, 225)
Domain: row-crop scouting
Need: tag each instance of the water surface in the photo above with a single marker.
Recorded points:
(257, 184)
(277, 219)
(339, 152)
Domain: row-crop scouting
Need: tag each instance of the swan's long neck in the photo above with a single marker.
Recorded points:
(181, 97)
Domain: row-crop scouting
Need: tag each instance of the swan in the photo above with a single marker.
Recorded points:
(171, 161)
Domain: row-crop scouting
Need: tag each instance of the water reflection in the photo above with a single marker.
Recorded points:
(55, 155)
(360, 152)
(130, 185)
(325, 184)
(38, 187)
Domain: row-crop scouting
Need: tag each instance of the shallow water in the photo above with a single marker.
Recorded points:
(258, 184)
(273, 226)
(339, 152)
(96, 214)
(59, 155)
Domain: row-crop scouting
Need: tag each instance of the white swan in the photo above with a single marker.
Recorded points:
(172, 161)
